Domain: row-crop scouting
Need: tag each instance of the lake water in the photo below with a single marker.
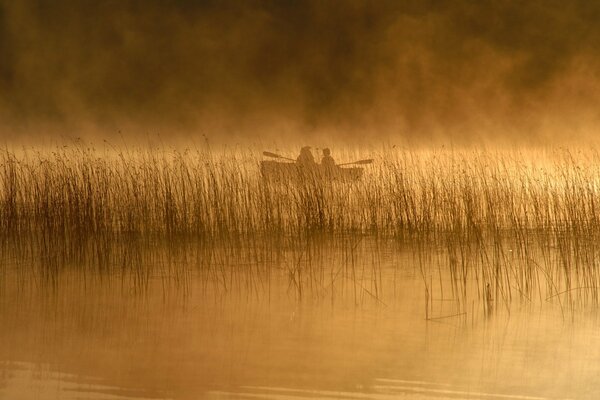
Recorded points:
(344, 319)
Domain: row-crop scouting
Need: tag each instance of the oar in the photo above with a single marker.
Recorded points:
(269, 154)
(361, 162)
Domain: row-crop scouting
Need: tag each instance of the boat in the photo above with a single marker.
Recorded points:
(276, 171)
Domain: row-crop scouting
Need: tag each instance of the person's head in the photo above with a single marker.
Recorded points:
(326, 152)
(305, 149)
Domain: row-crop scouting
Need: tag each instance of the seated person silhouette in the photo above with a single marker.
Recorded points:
(327, 161)
(306, 158)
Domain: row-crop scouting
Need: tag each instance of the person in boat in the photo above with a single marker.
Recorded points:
(327, 161)
(306, 158)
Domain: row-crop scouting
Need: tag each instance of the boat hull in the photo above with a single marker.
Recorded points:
(297, 173)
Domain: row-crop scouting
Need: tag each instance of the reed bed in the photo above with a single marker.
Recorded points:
(424, 194)
(506, 223)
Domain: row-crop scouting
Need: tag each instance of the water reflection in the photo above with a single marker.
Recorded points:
(21, 380)
(326, 319)
(385, 389)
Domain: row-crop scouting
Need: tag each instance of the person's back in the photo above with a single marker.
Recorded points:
(327, 161)
(306, 158)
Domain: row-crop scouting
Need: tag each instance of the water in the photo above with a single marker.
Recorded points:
(319, 322)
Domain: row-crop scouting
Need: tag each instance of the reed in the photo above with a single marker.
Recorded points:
(77, 191)
(512, 224)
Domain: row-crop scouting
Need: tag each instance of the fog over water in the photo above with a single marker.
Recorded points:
(437, 240)
(410, 71)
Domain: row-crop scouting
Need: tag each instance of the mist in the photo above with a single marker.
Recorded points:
(412, 71)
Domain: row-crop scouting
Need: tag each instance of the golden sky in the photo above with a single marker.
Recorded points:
(459, 71)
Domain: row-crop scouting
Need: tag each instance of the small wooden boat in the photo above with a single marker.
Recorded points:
(294, 172)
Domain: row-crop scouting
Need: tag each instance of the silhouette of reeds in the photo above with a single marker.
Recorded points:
(507, 224)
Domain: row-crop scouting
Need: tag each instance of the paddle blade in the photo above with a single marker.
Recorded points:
(274, 155)
(269, 154)
(361, 162)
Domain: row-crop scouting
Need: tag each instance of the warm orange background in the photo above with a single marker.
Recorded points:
(410, 71)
